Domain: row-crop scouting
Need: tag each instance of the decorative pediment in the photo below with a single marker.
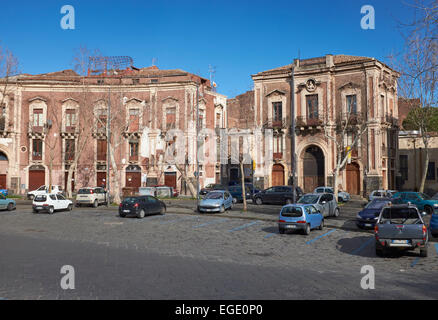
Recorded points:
(219, 106)
(349, 85)
(69, 100)
(134, 100)
(276, 92)
(38, 98)
(169, 100)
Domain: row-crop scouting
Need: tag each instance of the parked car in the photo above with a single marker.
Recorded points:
(421, 200)
(390, 193)
(378, 194)
(146, 191)
(435, 196)
(236, 193)
(211, 187)
(216, 201)
(141, 206)
(323, 202)
(368, 216)
(91, 196)
(8, 204)
(433, 226)
(43, 190)
(301, 217)
(342, 195)
(401, 227)
(51, 202)
(275, 195)
(4, 192)
(165, 191)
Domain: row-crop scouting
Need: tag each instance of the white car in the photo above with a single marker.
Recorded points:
(342, 195)
(43, 190)
(51, 202)
(91, 196)
(378, 194)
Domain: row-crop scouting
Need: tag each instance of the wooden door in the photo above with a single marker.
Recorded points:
(101, 179)
(133, 180)
(37, 178)
(170, 179)
(277, 175)
(72, 181)
(353, 178)
(3, 181)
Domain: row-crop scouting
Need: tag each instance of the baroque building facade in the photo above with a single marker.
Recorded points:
(325, 91)
(46, 115)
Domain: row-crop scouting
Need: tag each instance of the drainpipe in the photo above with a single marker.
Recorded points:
(292, 131)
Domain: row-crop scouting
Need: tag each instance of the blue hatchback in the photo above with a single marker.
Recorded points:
(303, 217)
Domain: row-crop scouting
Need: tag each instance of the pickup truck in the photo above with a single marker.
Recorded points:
(401, 227)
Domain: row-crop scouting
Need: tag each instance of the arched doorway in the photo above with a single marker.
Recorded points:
(37, 177)
(277, 175)
(4, 164)
(353, 178)
(313, 168)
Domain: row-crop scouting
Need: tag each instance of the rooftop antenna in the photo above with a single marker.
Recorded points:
(212, 72)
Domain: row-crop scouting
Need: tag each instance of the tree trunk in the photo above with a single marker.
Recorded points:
(69, 178)
(425, 169)
(188, 181)
(243, 186)
(115, 180)
(335, 182)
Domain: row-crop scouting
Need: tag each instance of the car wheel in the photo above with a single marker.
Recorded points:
(336, 214)
(258, 201)
(121, 214)
(51, 210)
(321, 226)
(141, 214)
(435, 235)
(34, 211)
(379, 252)
(70, 207)
(307, 230)
(281, 230)
(423, 252)
(163, 210)
(95, 204)
(222, 209)
(428, 210)
(31, 197)
(10, 207)
(340, 199)
(234, 200)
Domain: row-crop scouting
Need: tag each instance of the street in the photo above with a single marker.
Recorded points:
(184, 255)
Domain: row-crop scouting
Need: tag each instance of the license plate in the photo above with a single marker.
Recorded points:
(399, 241)
(39, 208)
(291, 226)
(368, 225)
(126, 210)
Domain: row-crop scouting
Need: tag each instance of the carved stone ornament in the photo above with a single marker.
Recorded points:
(311, 85)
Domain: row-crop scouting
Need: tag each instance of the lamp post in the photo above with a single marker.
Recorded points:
(292, 130)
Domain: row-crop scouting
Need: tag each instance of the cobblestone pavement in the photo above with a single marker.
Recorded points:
(184, 255)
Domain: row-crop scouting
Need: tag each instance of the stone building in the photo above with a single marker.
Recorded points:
(45, 116)
(326, 89)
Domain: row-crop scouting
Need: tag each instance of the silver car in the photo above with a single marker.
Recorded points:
(323, 202)
(343, 196)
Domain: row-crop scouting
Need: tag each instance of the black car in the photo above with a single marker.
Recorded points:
(276, 195)
(141, 206)
(211, 187)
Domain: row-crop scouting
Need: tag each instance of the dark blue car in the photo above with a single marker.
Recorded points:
(366, 219)
(236, 193)
(434, 223)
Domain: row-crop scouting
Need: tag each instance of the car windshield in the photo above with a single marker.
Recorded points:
(424, 196)
(84, 191)
(214, 195)
(40, 198)
(292, 212)
(400, 216)
(376, 204)
(308, 199)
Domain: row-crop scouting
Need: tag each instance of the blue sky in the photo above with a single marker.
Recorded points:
(238, 37)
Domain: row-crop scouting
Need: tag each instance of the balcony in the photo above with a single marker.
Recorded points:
(389, 120)
(277, 124)
(306, 124)
(277, 155)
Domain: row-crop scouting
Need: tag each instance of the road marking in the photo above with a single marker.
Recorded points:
(175, 220)
(363, 246)
(209, 223)
(414, 262)
(113, 223)
(244, 226)
(436, 247)
(325, 234)
(270, 235)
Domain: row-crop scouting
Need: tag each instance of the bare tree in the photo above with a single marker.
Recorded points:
(418, 64)
(8, 68)
(345, 132)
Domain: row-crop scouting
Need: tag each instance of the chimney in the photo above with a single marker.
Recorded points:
(297, 62)
(329, 60)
